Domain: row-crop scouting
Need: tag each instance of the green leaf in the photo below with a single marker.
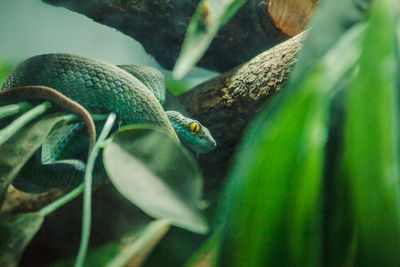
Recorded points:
(206, 256)
(329, 22)
(208, 18)
(130, 250)
(270, 190)
(17, 150)
(181, 86)
(370, 160)
(274, 195)
(16, 233)
(156, 174)
(5, 69)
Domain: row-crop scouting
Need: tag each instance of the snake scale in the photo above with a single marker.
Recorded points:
(134, 93)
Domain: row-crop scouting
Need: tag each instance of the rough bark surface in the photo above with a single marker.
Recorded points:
(228, 102)
(225, 104)
(160, 26)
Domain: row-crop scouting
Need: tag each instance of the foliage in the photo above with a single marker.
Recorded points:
(132, 249)
(17, 150)
(370, 157)
(208, 18)
(16, 232)
(4, 70)
(145, 178)
(275, 200)
(307, 187)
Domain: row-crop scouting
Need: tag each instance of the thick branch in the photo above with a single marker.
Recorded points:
(160, 26)
(224, 104)
(227, 103)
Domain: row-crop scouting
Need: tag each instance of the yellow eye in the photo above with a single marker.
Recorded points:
(194, 127)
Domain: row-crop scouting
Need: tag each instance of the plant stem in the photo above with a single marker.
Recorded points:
(61, 201)
(9, 110)
(72, 118)
(22, 120)
(87, 216)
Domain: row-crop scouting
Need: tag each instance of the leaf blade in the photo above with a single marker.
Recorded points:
(16, 151)
(16, 233)
(208, 18)
(370, 160)
(152, 181)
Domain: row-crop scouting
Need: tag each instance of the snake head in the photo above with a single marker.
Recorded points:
(191, 132)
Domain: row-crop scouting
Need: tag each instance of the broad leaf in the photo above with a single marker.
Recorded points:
(5, 69)
(180, 86)
(267, 193)
(17, 150)
(370, 160)
(130, 250)
(330, 21)
(16, 233)
(207, 255)
(156, 174)
(273, 204)
(208, 18)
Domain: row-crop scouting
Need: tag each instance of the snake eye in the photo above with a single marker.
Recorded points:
(194, 127)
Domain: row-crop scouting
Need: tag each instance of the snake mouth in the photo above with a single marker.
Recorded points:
(212, 143)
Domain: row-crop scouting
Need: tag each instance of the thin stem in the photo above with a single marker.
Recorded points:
(72, 118)
(61, 201)
(22, 120)
(9, 110)
(87, 196)
(99, 117)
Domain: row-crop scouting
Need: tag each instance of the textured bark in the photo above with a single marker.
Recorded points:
(228, 102)
(160, 26)
(225, 104)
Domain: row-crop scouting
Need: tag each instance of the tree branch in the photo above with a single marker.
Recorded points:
(225, 104)
(228, 102)
(160, 26)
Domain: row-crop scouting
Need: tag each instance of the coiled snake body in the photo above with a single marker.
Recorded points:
(134, 93)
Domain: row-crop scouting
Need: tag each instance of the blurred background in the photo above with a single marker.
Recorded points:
(30, 27)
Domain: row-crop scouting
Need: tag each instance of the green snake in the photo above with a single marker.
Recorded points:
(134, 93)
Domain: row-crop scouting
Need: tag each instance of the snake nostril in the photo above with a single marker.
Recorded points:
(201, 137)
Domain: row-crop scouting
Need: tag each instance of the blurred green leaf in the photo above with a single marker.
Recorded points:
(181, 86)
(5, 69)
(270, 190)
(16, 233)
(273, 204)
(17, 150)
(329, 22)
(158, 175)
(208, 18)
(207, 255)
(130, 250)
(370, 162)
